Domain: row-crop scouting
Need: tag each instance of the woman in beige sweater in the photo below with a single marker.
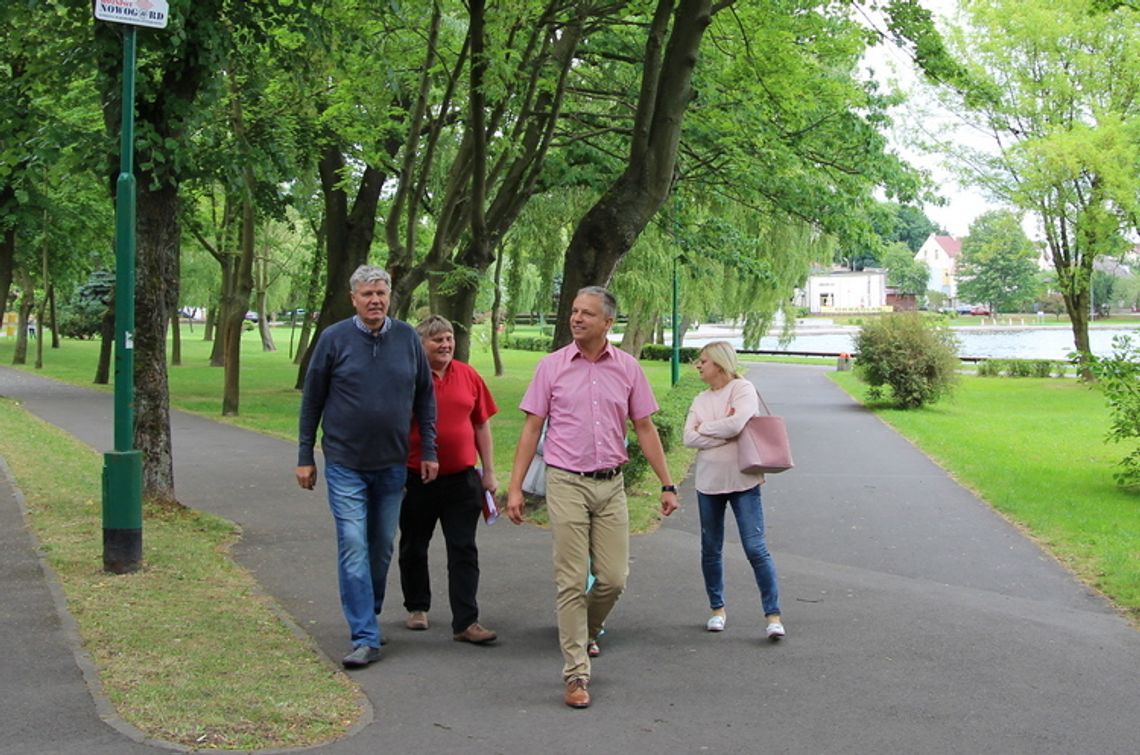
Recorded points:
(715, 419)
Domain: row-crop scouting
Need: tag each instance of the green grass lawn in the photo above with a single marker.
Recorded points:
(1035, 450)
(189, 649)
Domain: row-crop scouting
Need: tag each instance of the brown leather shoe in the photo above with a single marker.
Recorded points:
(476, 634)
(577, 695)
(417, 620)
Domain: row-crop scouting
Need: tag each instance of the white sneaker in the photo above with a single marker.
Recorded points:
(775, 631)
(715, 624)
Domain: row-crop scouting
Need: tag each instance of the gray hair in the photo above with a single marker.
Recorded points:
(433, 325)
(609, 301)
(368, 274)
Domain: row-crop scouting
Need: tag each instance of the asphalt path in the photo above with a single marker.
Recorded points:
(918, 619)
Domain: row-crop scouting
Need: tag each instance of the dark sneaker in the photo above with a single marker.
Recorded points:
(592, 649)
(361, 656)
(476, 634)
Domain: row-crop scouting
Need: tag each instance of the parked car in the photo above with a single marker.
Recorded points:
(251, 316)
(965, 309)
(980, 310)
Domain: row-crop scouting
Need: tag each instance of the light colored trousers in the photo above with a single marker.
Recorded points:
(590, 522)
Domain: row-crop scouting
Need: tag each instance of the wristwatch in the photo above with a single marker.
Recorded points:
(668, 488)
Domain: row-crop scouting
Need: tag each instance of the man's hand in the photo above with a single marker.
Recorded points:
(668, 503)
(307, 477)
(515, 505)
(429, 470)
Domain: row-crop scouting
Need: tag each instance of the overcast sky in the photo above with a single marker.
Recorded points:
(964, 203)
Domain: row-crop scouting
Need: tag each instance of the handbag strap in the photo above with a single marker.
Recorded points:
(762, 402)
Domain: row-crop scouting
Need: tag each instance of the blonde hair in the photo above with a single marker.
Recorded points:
(723, 355)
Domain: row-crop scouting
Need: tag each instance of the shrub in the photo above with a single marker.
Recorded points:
(990, 368)
(1040, 368)
(1018, 368)
(82, 316)
(670, 422)
(918, 360)
(528, 343)
(662, 353)
(1119, 377)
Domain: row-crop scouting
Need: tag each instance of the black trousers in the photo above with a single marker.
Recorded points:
(456, 502)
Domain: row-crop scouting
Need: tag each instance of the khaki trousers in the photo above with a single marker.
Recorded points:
(590, 522)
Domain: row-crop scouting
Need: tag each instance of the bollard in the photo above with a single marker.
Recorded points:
(844, 363)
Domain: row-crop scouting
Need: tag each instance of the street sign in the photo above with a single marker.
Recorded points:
(149, 13)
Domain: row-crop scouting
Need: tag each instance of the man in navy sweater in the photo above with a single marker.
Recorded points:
(367, 380)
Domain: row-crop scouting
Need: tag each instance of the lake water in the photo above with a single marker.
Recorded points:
(1013, 343)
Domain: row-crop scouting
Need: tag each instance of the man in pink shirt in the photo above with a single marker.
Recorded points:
(586, 392)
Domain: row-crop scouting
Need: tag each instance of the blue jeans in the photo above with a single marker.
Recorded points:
(366, 508)
(750, 521)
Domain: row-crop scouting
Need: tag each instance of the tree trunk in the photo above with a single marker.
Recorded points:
(235, 317)
(610, 228)
(53, 316)
(156, 295)
(7, 253)
(459, 307)
(263, 328)
(639, 330)
(311, 293)
(27, 303)
(497, 315)
(107, 334)
(348, 238)
(41, 318)
(175, 339)
(227, 302)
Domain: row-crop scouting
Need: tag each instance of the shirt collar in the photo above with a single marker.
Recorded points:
(384, 326)
(607, 351)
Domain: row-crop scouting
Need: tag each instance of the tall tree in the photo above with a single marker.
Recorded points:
(179, 66)
(613, 224)
(783, 126)
(904, 272)
(998, 263)
(1054, 84)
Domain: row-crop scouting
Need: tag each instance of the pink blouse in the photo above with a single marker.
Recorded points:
(712, 430)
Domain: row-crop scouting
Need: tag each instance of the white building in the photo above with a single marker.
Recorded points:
(940, 253)
(843, 292)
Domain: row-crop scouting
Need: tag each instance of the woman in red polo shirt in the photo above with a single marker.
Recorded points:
(464, 408)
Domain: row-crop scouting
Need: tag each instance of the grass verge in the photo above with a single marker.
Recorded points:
(1034, 449)
(189, 650)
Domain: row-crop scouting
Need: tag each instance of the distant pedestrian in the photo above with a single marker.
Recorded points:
(586, 392)
(464, 407)
(367, 381)
(715, 419)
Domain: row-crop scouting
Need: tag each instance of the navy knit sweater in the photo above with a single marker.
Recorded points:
(364, 389)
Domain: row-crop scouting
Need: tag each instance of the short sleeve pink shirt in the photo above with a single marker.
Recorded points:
(588, 405)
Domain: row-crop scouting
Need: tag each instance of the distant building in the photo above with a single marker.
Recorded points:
(845, 292)
(940, 253)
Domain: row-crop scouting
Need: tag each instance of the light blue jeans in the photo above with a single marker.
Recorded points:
(750, 521)
(366, 508)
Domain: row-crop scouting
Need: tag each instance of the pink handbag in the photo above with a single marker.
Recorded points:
(762, 446)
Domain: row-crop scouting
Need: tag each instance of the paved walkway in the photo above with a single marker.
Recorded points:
(918, 620)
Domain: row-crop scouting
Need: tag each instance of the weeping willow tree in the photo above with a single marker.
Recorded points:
(732, 264)
(786, 252)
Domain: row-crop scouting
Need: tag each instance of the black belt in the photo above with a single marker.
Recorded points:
(597, 474)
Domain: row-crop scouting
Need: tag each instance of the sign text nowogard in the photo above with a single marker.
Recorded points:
(150, 13)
